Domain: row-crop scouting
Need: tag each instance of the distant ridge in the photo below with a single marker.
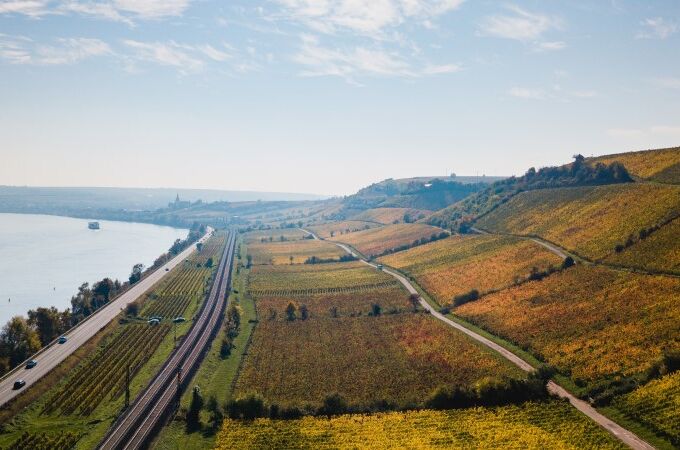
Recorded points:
(15, 198)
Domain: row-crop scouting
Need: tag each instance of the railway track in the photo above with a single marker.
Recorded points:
(138, 423)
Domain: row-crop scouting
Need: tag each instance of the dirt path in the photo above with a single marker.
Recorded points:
(624, 435)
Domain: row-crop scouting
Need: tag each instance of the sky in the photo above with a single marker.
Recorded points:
(327, 96)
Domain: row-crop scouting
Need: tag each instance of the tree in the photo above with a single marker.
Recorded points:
(290, 258)
(18, 341)
(209, 262)
(48, 322)
(193, 419)
(375, 309)
(249, 259)
(216, 414)
(414, 299)
(290, 311)
(333, 404)
(132, 309)
(568, 262)
(103, 288)
(136, 274)
(304, 312)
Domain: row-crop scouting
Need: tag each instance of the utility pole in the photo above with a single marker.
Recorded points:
(127, 387)
(174, 326)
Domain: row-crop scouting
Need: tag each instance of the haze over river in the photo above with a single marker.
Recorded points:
(43, 259)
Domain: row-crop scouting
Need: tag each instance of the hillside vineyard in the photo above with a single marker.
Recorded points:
(539, 311)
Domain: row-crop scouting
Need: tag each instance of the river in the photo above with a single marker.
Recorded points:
(43, 259)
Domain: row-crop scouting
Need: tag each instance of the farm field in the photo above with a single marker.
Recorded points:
(657, 405)
(590, 322)
(310, 279)
(377, 241)
(552, 424)
(391, 299)
(588, 220)
(392, 215)
(281, 252)
(659, 165)
(658, 252)
(333, 229)
(456, 265)
(276, 234)
(398, 358)
(87, 399)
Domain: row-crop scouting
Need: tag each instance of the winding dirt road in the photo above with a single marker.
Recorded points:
(624, 435)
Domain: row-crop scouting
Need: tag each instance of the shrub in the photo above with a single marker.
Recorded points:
(468, 297)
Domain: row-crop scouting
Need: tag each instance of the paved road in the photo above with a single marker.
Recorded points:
(135, 427)
(49, 357)
(624, 435)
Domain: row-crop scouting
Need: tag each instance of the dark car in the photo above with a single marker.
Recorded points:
(62, 339)
(19, 384)
(167, 270)
(31, 364)
(179, 319)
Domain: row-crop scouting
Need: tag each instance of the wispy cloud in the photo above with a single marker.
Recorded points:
(116, 10)
(672, 131)
(625, 133)
(667, 82)
(550, 46)
(32, 8)
(519, 24)
(657, 28)
(166, 54)
(20, 50)
(556, 92)
(360, 61)
(527, 93)
(370, 18)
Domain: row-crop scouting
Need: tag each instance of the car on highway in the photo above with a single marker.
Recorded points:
(380, 267)
(31, 364)
(19, 384)
(179, 319)
(62, 339)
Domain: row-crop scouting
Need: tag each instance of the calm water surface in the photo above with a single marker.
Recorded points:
(43, 259)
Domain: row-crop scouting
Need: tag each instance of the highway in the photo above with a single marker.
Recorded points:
(135, 427)
(53, 354)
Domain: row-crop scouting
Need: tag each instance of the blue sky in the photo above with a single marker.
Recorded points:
(326, 96)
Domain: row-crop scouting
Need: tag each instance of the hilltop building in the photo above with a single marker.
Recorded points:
(179, 204)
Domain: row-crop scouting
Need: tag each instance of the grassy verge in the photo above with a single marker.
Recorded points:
(636, 427)
(216, 374)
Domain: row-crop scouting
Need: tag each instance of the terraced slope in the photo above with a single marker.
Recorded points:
(332, 229)
(531, 426)
(591, 322)
(309, 279)
(656, 405)
(456, 265)
(588, 220)
(658, 252)
(277, 234)
(394, 358)
(387, 216)
(658, 165)
(378, 241)
(291, 252)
